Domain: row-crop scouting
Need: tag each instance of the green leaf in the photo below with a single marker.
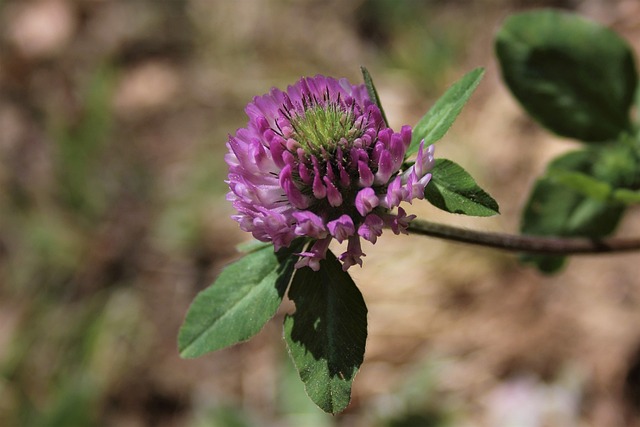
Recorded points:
(243, 298)
(251, 246)
(373, 93)
(636, 103)
(581, 183)
(555, 209)
(452, 189)
(575, 77)
(627, 197)
(618, 164)
(327, 333)
(433, 125)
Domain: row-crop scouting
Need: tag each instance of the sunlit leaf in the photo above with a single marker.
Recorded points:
(628, 197)
(327, 333)
(252, 246)
(435, 124)
(452, 189)
(243, 298)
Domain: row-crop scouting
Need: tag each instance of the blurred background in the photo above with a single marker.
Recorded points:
(114, 116)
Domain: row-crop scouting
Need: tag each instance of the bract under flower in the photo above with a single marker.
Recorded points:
(318, 161)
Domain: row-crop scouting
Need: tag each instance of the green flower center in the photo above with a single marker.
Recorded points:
(323, 128)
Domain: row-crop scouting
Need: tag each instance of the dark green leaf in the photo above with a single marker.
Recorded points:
(453, 190)
(575, 77)
(373, 93)
(555, 209)
(326, 335)
(433, 125)
(617, 164)
(581, 183)
(243, 298)
(636, 102)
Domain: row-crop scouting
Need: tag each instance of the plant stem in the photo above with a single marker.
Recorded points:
(521, 243)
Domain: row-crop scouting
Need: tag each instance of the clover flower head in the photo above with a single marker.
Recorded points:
(318, 161)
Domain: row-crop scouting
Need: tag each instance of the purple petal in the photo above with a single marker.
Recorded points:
(384, 136)
(385, 168)
(405, 132)
(371, 229)
(396, 148)
(366, 176)
(333, 195)
(400, 222)
(310, 224)
(395, 193)
(277, 148)
(353, 255)
(312, 257)
(319, 190)
(366, 201)
(294, 195)
(341, 228)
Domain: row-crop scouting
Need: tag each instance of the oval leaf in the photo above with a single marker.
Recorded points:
(453, 190)
(575, 77)
(555, 209)
(243, 298)
(433, 125)
(327, 333)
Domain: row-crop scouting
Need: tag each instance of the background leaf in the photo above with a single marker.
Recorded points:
(575, 77)
(581, 183)
(327, 333)
(453, 190)
(555, 209)
(433, 125)
(628, 197)
(243, 298)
